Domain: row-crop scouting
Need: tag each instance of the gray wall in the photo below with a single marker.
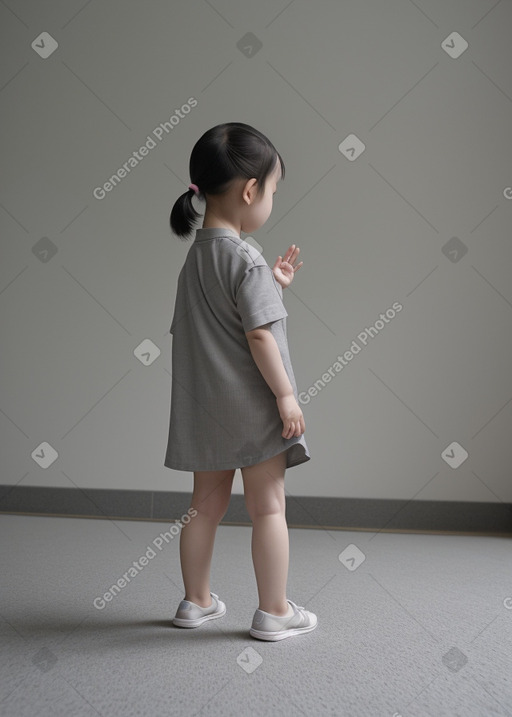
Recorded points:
(421, 217)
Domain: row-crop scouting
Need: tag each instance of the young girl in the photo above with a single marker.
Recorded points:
(234, 396)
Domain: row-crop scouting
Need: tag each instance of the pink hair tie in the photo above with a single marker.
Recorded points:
(194, 187)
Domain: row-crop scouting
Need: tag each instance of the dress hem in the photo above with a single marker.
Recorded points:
(301, 458)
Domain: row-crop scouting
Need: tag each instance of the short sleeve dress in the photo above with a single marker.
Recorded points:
(223, 414)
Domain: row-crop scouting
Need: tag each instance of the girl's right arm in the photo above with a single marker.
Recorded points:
(267, 357)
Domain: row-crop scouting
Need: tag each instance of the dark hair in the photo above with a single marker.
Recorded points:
(224, 153)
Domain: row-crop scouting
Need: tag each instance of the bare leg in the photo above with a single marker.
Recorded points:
(212, 491)
(265, 501)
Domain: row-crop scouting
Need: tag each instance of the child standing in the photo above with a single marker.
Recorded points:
(234, 395)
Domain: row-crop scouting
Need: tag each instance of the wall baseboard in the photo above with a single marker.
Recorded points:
(301, 511)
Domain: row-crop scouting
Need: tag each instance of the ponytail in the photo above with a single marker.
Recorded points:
(183, 214)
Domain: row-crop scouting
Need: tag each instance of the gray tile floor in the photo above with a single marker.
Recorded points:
(422, 626)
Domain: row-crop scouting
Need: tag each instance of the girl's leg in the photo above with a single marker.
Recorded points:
(265, 501)
(212, 491)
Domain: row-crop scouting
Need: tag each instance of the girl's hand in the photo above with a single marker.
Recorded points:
(291, 416)
(284, 269)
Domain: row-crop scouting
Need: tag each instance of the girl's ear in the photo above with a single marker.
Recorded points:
(250, 190)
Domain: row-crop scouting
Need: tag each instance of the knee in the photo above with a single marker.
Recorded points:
(263, 506)
(213, 509)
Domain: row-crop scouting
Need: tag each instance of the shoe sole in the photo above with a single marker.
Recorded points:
(183, 622)
(280, 634)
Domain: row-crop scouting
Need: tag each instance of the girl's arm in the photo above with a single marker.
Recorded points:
(267, 357)
(265, 352)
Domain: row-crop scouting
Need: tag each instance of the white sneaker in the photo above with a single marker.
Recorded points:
(189, 614)
(275, 627)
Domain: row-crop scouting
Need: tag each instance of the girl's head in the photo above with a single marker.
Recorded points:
(236, 169)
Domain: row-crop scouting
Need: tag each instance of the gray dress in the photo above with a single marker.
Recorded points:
(223, 413)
